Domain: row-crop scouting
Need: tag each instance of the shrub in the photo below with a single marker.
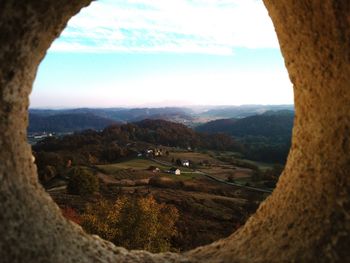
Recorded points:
(134, 223)
(82, 182)
(71, 214)
(46, 174)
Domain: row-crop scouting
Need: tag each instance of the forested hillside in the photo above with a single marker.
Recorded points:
(116, 142)
(266, 137)
(269, 124)
(67, 122)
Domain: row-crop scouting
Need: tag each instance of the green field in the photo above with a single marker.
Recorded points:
(236, 156)
(135, 164)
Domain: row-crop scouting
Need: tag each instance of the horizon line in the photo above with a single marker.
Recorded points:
(154, 107)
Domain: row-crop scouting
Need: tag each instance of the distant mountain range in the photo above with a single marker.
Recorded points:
(69, 120)
(120, 115)
(263, 137)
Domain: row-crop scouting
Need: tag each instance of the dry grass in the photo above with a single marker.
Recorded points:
(134, 164)
(194, 156)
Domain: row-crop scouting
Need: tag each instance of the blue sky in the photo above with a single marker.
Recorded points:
(164, 53)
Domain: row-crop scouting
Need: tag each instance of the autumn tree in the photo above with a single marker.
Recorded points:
(82, 182)
(134, 223)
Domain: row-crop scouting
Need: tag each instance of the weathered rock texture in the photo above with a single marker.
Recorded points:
(307, 218)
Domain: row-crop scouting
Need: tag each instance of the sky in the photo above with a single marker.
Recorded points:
(156, 53)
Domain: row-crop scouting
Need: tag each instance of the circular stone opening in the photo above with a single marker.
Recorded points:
(289, 226)
(92, 48)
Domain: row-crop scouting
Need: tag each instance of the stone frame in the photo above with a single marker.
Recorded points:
(307, 217)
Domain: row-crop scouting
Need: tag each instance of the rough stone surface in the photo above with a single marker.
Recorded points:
(306, 219)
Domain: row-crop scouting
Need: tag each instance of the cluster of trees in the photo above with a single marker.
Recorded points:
(270, 176)
(82, 182)
(131, 222)
(171, 134)
(264, 149)
(50, 165)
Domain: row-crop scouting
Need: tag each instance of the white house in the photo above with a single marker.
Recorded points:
(185, 163)
(175, 171)
(149, 151)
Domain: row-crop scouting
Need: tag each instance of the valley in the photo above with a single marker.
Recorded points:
(207, 177)
(208, 210)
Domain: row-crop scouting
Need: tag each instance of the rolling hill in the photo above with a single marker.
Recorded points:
(266, 137)
(67, 122)
(191, 116)
(124, 115)
(270, 124)
(226, 112)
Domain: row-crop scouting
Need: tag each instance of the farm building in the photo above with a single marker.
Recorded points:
(175, 171)
(185, 163)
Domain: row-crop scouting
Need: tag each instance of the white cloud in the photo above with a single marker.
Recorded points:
(197, 26)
